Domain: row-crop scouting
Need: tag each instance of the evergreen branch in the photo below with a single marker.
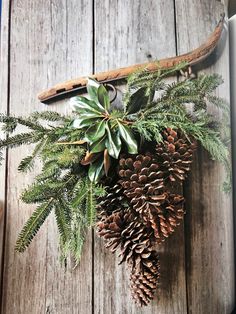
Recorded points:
(50, 116)
(20, 139)
(90, 204)
(77, 239)
(40, 191)
(63, 220)
(28, 162)
(143, 78)
(11, 123)
(219, 103)
(33, 225)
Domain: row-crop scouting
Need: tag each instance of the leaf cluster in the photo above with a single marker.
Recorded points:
(105, 129)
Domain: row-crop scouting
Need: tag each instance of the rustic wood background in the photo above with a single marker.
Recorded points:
(45, 42)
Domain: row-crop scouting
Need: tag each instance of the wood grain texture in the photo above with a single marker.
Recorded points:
(209, 220)
(127, 32)
(50, 40)
(4, 36)
(193, 57)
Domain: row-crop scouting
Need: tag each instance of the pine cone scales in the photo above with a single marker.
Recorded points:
(144, 185)
(111, 202)
(140, 210)
(162, 212)
(144, 283)
(140, 176)
(124, 230)
(175, 155)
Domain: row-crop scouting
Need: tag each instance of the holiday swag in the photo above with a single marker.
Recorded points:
(120, 168)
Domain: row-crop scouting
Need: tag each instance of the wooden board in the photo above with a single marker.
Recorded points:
(130, 34)
(48, 43)
(209, 220)
(4, 36)
(53, 41)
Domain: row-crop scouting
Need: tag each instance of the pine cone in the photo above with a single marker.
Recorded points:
(143, 184)
(111, 202)
(144, 283)
(175, 154)
(141, 175)
(124, 230)
(163, 212)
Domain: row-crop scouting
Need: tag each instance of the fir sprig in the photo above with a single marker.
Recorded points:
(182, 106)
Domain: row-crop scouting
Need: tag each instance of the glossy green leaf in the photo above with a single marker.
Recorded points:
(103, 97)
(99, 145)
(92, 88)
(137, 101)
(84, 121)
(82, 104)
(113, 142)
(96, 170)
(96, 132)
(128, 137)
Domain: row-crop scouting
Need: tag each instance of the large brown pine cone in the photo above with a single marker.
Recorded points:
(123, 230)
(175, 154)
(144, 282)
(143, 184)
(163, 212)
(141, 175)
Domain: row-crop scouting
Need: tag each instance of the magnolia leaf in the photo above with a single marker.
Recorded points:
(107, 161)
(128, 137)
(113, 143)
(96, 132)
(89, 158)
(99, 145)
(96, 170)
(82, 121)
(103, 97)
(82, 105)
(92, 89)
(137, 100)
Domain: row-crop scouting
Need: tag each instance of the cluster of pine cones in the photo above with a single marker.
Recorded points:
(140, 211)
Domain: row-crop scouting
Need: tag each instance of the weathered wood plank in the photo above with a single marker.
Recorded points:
(127, 32)
(50, 41)
(209, 221)
(4, 35)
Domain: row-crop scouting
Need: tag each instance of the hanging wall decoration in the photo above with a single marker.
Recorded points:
(121, 168)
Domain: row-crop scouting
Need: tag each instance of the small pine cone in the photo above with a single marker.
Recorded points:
(144, 282)
(162, 212)
(111, 202)
(140, 175)
(175, 154)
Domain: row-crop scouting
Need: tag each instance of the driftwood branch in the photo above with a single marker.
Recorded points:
(78, 85)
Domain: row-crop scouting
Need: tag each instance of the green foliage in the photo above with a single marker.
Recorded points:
(76, 152)
(62, 186)
(104, 127)
(171, 109)
(33, 224)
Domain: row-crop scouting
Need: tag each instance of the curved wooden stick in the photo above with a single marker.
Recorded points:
(74, 86)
